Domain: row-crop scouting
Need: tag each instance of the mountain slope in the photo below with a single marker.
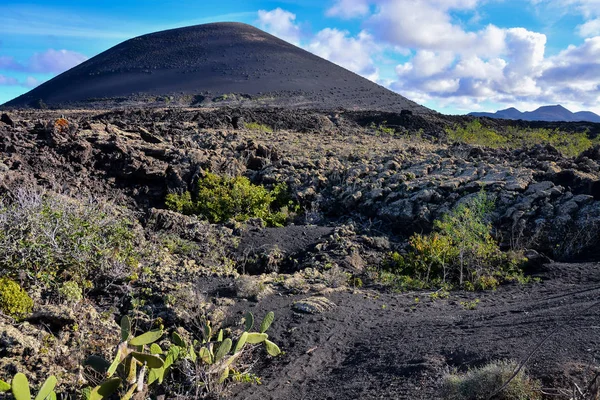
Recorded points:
(213, 62)
(544, 113)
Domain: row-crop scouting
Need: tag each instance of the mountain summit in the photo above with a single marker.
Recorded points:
(544, 113)
(206, 64)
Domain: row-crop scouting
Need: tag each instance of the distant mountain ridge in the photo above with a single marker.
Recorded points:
(544, 113)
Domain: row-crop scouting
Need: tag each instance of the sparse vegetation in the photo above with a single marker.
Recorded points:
(482, 383)
(461, 251)
(256, 126)
(252, 287)
(84, 264)
(336, 277)
(14, 301)
(220, 199)
(70, 292)
(470, 305)
(204, 366)
(49, 239)
(474, 132)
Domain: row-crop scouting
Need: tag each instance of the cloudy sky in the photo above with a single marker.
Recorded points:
(454, 56)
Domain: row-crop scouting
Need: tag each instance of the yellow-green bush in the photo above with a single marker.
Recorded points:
(255, 126)
(461, 251)
(14, 301)
(475, 133)
(221, 198)
(70, 292)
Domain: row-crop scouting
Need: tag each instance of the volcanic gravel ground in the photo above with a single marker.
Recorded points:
(388, 346)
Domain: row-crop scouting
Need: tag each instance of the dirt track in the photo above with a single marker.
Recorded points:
(387, 346)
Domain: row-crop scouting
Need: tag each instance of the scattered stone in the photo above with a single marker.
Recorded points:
(313, 305)
(7, 119)
(149, 137)
(54, 316)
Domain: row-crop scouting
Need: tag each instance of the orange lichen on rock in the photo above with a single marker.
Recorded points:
(61, 125)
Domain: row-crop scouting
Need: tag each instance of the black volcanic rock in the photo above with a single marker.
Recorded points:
(210, 64)
(544, 113)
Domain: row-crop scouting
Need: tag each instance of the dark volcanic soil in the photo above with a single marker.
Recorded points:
(362, 194)
(388, 346)
(213, 64)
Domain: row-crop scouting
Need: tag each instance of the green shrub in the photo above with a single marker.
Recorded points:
(255, 126)
(220, 199)
(54, 239)
(70, 292)
(460, 251)
(568, 143)
(14, 301)
(475, 133)
(481, 383)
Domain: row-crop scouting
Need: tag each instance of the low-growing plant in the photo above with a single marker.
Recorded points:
(49, 239)
(206, 365)
(221, 198)
(470, 305)
(461, 251)
(336, 277)
(482, 383)
(70, 292)
(255, 126)
(127, 373)
(252, 287)
(14, 301)
(217, 360)
(474, 132)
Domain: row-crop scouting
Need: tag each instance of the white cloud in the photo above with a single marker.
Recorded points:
(8, 81)
(9, 63)
(449, 64)
(588, 8)
(349, 8)
(353, 53)
(474, 67)
(428, 63)
(281, 24)
(589, 28)
(31, 82)
(428, 25)
(55, 61)
(49, 61)
(338, 46)
(521, 76)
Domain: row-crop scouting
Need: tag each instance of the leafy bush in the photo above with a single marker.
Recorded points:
(14, 301)
(475, 133)
(482, 383)
(460, 251)
(221, 198)
(568, 143)
(52, 238)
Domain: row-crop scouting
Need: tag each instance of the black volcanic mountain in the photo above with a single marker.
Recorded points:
(213, 63)
(545, 113)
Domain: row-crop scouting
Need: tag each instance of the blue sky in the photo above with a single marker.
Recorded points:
(455, 56)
